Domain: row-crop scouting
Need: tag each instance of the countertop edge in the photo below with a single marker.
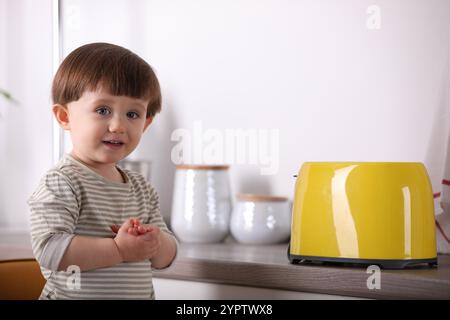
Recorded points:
(313, 279)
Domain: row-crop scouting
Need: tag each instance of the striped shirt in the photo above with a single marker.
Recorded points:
(72, 199)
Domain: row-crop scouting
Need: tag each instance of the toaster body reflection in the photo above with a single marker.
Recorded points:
(363, 213)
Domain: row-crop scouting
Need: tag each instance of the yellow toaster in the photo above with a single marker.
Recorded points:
(365, 213)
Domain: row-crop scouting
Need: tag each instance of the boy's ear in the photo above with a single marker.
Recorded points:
(148, 121)
(62, 115)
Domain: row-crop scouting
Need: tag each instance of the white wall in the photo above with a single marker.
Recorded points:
(334, 89)
(25, 129)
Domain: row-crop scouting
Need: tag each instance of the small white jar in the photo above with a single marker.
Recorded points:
(201, 206)
(261, 219)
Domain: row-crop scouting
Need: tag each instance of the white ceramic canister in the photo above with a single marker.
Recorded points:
(201, 206)
(261, 219)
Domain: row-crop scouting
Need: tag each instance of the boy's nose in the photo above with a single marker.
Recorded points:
(117, 125)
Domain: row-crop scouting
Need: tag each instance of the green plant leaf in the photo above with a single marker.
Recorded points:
(7, 95)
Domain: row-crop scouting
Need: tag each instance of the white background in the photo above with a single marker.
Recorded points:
(335, 90)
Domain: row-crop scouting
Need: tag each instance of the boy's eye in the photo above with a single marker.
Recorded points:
(132, 115)
(103, 111)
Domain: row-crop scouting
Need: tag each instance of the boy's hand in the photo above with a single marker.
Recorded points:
(152, 235)
(140, 247)
(136, 228)
(146, 242)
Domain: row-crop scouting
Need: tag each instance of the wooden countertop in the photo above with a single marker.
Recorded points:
(268, 267)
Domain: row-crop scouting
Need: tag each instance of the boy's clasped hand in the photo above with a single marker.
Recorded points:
(136, 241)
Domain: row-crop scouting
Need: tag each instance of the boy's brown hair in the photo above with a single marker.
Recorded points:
(117, 69)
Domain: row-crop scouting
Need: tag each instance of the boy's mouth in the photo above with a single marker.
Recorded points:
(113, 143)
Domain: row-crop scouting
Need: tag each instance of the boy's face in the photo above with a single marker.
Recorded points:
(104, 128)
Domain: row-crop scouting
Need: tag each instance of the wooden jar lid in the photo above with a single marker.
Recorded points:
(259, 197)
(201, 167)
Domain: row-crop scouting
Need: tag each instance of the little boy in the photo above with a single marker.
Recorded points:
(88, 214)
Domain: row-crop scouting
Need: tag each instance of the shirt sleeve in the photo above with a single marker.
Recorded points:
(155, 218)
(54, 213)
